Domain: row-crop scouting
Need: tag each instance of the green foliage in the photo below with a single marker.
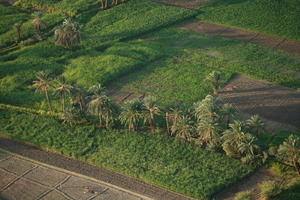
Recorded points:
(291, 193)
(270, 189)
(158, 159)
(117, 60)
(247, 195)
(274, 17)
(130, 20)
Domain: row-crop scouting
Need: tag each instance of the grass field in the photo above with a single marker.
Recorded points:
(191, 56)
(158, 159)
(280, 17)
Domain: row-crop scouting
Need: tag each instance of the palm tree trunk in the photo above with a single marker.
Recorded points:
(167, 123)
(48, 100)
(152, 126)
(63, 102)
(100, 122)
(106, 122)
(296, 165)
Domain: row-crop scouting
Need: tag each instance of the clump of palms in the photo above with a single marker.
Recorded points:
(63, 90)
(215, 80)
(18, 28)
(289, 152)
(68, 34)
(256, 124)
(151, 110)
(131, 114)
(39, 24)
(238, 143)
(43, 84)
(209, 131)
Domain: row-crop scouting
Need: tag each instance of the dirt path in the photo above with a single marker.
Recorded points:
(291, 46)
(189, 4)
(250, 183)
(272, 102)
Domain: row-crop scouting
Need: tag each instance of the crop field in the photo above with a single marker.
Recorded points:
(158, 159)
(134, 46)
(268, 16)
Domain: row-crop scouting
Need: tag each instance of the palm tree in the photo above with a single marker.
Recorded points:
(78, 96)
(97, 104)
(289, 151)
(42, 84)
(109, 111)
(18, 27)
(256, 124)
(228, 113)
(208, 131)
(151, 110)
(68, 34)
(209, 107)
(104, 4)
(215, 79)
(232, 138)
(184, 128)
(38, 22)
(131, 114)
(62, 89)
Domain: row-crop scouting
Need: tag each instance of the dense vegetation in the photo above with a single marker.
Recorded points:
(274, 17)
(156, 158)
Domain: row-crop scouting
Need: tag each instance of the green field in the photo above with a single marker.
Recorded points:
(158, 159)
(133, 46)
(191, 56)
(280, 17)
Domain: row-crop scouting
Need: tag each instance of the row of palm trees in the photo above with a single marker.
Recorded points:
(208, 123)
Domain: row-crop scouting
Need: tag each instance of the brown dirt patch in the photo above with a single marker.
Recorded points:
(250, 183)
(189, 4)
(272, 102)
(291, 46)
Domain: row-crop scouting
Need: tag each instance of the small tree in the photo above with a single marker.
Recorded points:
(98, 101)
(184, 128)
(215, 79)
(42, 84)
(228, 113)
(68, 34)
(39, 24)
(209, 131)
(18, 27)
(131, 114)
(151, 111)
(62, 89)
(256, 124)
(289, 152)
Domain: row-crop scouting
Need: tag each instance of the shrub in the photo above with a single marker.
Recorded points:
(247, 195)
(270, 189)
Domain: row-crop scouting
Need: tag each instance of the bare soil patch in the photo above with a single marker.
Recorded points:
(291, 46)
(189, 4)
(250, 183)
(270, 101)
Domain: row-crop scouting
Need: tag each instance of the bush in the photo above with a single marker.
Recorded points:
(270, 189)
(247, 195)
